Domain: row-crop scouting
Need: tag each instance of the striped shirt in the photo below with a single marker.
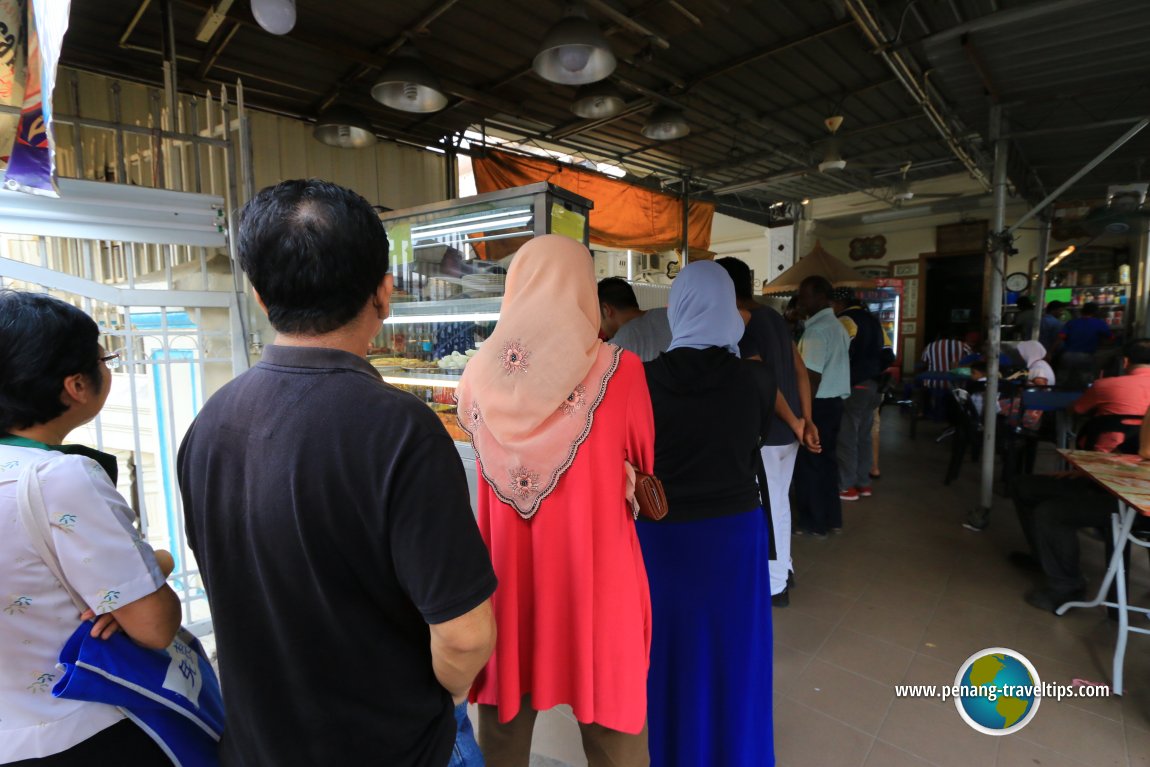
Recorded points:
(941, 356)
(944, 354)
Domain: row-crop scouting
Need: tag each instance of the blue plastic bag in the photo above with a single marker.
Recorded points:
(172, 694)
(466, 753)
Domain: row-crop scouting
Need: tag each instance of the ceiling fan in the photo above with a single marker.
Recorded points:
(903, 192)
(832, 159)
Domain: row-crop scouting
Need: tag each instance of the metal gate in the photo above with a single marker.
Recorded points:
(174, 314)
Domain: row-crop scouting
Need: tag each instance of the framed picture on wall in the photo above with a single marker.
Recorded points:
(904, 269)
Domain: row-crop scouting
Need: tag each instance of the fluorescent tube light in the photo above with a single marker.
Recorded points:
(437, 383)
(429, 318)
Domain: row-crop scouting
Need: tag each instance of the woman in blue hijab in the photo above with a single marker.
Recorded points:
(709, 687)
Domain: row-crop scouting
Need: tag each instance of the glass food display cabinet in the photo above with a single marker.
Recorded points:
(449, 261)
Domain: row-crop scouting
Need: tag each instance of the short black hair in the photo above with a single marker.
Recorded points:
(43, 340)
(1137, 350)
(314, 251)
(1089, 310)
(740, 275)
(1054, 306)
(819, 285)
(617, 292)
(1025, 303)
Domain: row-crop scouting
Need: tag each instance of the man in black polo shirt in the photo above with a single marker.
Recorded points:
(329, 514)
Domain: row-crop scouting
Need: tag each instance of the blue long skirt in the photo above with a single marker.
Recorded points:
(709, 689)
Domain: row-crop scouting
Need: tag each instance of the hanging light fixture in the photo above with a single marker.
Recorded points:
(344, 127)
(666, 123)
(597, 100)
(409, 85)
(276, 16)
(574, 51)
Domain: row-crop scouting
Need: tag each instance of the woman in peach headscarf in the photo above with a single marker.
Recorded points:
(555, 415)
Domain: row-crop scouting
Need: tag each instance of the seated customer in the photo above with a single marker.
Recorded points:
(941, 356)
(1128, 394)
(1051, 510)
(623, 323)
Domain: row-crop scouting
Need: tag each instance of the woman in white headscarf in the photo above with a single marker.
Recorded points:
(710, 681)
(1038, 370)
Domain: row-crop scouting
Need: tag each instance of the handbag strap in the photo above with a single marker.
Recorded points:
(34, 517)
(765, 500)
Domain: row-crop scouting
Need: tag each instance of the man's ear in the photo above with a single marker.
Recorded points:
(259, 300)
(382, 297)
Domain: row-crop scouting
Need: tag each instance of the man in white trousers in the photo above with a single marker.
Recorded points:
(768, 338)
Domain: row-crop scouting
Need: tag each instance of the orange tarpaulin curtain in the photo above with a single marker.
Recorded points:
(624, 216)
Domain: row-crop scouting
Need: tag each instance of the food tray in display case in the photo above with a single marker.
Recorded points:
(449, 262)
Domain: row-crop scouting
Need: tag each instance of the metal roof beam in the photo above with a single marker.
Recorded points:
(219, 41)
(358, 70)
(575, 127)
(872, 29)
(1085, 169)
(1003, 18)
(1117, 122)
(626, 21)
(754, 56)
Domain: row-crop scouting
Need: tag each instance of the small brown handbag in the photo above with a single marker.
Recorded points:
(650, 498)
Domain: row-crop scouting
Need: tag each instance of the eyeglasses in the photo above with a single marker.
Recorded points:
(113, 360)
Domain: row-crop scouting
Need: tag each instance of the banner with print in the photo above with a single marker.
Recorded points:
(36, 41)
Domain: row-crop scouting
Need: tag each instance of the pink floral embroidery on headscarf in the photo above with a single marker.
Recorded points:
(524, 482)
(515, 357)
(576, 401)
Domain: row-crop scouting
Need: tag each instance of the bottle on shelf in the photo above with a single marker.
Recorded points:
(1124, 274)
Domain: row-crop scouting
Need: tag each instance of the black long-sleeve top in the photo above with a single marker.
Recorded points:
(711, 412)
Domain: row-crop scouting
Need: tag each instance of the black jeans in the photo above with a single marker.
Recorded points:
(817, 505)
(123, 744)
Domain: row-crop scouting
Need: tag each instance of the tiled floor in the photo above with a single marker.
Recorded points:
(905, 594)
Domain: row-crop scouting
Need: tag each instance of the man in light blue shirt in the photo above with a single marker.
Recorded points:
(825, 348)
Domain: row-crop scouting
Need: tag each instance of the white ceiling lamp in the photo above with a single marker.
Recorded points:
(666, 123)
(344, 127)
(276, 16)
(409, 85)
(597, 101)
(574, 51)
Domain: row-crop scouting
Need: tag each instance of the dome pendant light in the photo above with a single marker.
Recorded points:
(344, 127)
(574, 51)
(597, 101)
(409, 85)
(665, 124)
(276, 16)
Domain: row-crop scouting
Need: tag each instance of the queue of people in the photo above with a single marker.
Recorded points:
(357, 604)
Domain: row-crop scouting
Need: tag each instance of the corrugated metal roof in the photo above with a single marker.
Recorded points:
(756, 78)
